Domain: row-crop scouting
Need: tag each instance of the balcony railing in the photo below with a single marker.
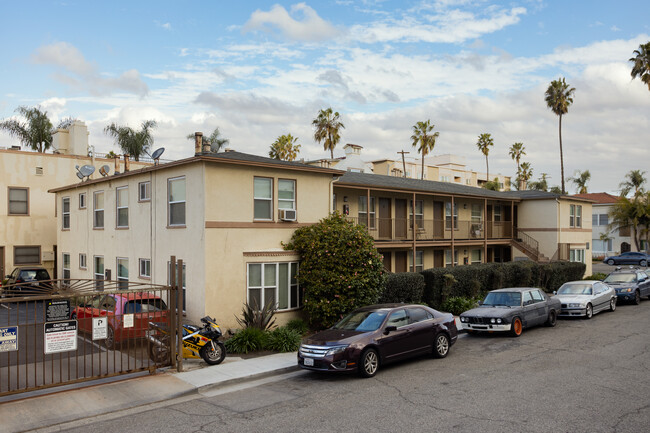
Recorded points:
(400, 229)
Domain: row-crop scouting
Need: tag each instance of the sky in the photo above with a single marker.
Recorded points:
(258, 70)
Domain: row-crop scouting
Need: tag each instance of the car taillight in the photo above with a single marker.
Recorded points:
(20, 280)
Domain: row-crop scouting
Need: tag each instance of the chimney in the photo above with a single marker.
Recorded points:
(198, 142)
(116, 159)
(207, 148)
(126, 162)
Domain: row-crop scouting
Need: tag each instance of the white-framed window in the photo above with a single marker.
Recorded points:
(27, 255)
(122, 265)
(273, 282)
(98, 210)
(448, 215)
(82, 261)
(603, 219)
(477, 214)
(176, 201)
(286, 194)
(445, 178)
(144, 191)
(122, 206)
(477, 256)
(82, 200)
(498, 213)
(363, 211)
(183, 283)
(98, 271)
(263, 198)
(66, 268)
(419, 261)
(577, 255)
(448, 262)
(65, 213)
(145, 268)
(18, 201)
(575, 215)
(419, 213)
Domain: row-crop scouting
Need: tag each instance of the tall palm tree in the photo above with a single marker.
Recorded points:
(134, 143)
(424, 139)
(525, 173)
(516, 152)
(630, 213)
(35, 132)
(641, 62)
(484, 142)
(559, 96)
(215, 140)
(285, 148)
(581, 180)
(634, 181)
(327, 125)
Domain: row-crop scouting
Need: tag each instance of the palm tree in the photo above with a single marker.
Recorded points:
(641, 62)
(35, 132)
(484, 142)
(541, 184)
(423, 139)
(215, 140)
(525, 173)
(581, 180)
(634, 180)
(630, 213)
(134, 143)
(327, 125)
(285, 148)
(558, 98)
(516, 152)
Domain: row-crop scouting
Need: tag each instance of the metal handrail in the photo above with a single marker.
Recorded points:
(528, 241)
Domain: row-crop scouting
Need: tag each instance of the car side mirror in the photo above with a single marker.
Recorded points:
(390, 329)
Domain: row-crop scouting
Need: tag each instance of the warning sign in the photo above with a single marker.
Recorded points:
(100, 328)
(60, 336)
(128, 321)
(57, 310)
(9, 339)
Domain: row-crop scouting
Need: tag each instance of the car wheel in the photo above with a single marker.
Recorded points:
(589, 312)
(610, 262)
(368, 363)
(109, 341)
(441, 346)
(552, 318)
(643, 263)
(637, 298)
(517, 327)
(612, 304)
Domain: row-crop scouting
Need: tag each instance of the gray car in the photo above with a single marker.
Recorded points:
(585, 298)
(511, 310)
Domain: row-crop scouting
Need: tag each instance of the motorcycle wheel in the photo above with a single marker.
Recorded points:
(159, 354)
(213, 357)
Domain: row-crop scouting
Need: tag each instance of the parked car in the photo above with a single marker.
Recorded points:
(630, 284)
(144, 308)
(373, 336)
(585, 298)
(629, 258)
(27, 280)
(512, 310)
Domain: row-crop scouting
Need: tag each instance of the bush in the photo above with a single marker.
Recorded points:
(340, 268)
(298, 325)
(283, 339)
(246, 340)
(596, 276)
(407, 287)
(253, 317)
(458, 304)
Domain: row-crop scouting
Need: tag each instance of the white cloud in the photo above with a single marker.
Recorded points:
(302, 24)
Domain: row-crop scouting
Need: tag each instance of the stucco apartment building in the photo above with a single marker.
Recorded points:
(28, 226)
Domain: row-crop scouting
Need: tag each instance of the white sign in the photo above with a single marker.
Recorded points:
(9, 339)
(100, 328)
(60, 336)
(128, 321)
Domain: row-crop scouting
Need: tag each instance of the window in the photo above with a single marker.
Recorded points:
(274, 282)
(286, 194)
(144, 191)
(82, 261)
(122, 273)
(418, 315)
(575, 215)
(66, 269)
(398, 319)
(577, 255)
(334, 202)
(27, 255)
(498, 213)
(176, 201)
(603, 219)
(145, 268)
(537, 296)
(419, 213)
(476, 213)
(594, 220)
(99, 272)
(445, 179)
(98, 210)
(82, 200)
(448, 258)
(183, 283)
(448, 215)
(363, 211)
(477, 256)
(122, 204)
(263, 198)
(18, 201)
(578, 216)
(528, 298)
(65, 213)
(419, 261)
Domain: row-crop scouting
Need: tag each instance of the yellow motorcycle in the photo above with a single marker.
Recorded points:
(198, 342)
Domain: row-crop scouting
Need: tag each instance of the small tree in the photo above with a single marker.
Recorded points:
(340, 268)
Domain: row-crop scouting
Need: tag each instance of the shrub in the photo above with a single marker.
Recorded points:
(596, 276)
(283, 339)
(407, 287)
(253, 317)
(458, 304)
(246, 340)
(340, 268)
(298, 325)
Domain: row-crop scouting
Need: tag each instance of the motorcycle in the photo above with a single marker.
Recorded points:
(198, 342)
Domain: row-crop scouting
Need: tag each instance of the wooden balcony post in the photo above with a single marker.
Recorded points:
(413, 230)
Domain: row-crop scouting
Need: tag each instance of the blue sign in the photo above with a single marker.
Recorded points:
(9, 339)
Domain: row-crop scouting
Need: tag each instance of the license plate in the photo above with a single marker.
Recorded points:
(309, 362)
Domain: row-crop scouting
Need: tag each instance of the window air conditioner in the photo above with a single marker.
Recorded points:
(287, 214)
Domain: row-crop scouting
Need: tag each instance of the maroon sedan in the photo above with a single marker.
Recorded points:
(376, 335)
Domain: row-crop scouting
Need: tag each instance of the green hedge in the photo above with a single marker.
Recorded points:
(473, 281)
(407, 287)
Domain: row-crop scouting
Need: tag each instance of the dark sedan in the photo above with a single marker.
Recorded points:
(629, 258)
(512, 310)
(376, 335)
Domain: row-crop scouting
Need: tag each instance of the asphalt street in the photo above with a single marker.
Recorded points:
(581, 376)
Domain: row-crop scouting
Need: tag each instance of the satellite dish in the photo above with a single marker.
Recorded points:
(157, 154)
(85, 171)
(104, 170)
(80, 176)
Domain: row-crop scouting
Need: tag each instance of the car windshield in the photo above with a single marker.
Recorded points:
(575, 289)
(503, 299)
(363, 321)
(620, 278)
(144, 306)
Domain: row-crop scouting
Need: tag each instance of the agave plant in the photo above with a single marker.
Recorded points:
(254, 317)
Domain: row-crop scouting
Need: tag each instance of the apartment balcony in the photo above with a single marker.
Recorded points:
(401, 229)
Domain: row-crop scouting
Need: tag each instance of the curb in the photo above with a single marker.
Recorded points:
(249, 378)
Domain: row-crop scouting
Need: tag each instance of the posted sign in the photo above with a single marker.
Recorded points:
(60, 336)
(9, 339)
(100, 328)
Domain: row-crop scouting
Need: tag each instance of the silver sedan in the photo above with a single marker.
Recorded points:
(585, 298)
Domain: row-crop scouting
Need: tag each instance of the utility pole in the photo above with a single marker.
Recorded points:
(404, 164)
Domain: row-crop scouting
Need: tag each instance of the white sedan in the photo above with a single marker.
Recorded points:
(585, 298)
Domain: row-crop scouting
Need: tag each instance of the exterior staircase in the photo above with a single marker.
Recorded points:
(529, 246)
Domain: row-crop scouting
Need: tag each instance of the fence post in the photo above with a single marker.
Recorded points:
(179, 319)
(173, 301)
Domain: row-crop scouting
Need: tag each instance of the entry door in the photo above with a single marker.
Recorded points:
(387, 260)
(400, 261)
(2, 263)
(400, 219)
(438, 258)
(385, 230)
(438, 221)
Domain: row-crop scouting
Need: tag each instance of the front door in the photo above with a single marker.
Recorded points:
(387, 260)
(400, 219)
(2, 263)
(438, 221)
(438, 258)
(385, 228)
(400, 261)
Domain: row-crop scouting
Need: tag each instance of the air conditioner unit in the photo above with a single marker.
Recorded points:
(287, 214)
